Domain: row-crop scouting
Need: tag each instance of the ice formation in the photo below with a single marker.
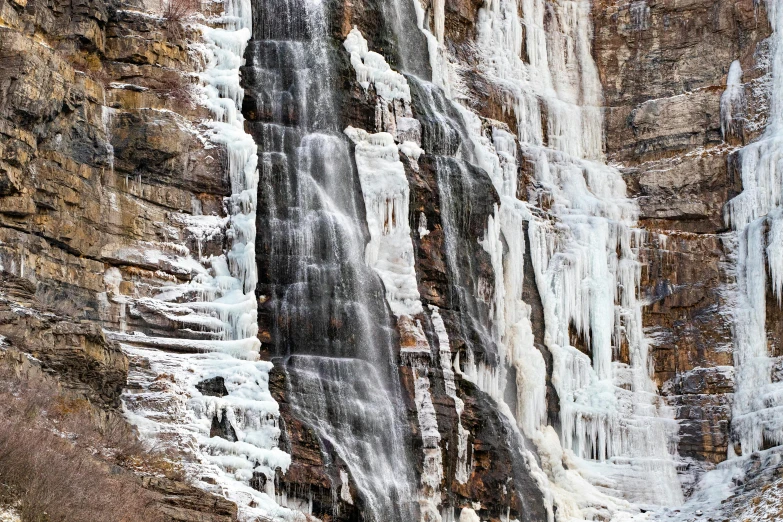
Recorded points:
(732, 102)
(371, 69)
(447, 367)
(585, 261)
(640, 14)
(614, 425)
(231, 436)
(468, 515)
(757, 217)
(386, 197)
(432, 472)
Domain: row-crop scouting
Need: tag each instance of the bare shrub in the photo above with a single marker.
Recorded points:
(96, 73)
(180, 10)
(175, 86)
(50, 465)
(176, 12)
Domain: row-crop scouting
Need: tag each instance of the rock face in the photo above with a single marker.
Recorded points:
(100, 165)
(76, 351)
(98, 170)
(186, 503)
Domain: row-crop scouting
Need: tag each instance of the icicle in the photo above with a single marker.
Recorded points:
(386, 197)
(732, 103)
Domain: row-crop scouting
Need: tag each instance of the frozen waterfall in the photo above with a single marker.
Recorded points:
(319, 272)
(584, 251)
(207, 394)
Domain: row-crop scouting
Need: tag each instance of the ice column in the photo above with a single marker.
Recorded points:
(732, 103)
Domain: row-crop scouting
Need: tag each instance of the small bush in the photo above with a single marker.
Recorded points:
(88, 68)
(180, 10)
(176, 12)
(175, 86)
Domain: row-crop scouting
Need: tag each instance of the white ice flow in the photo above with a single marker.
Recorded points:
(231, 432)
(386, 197)
(616, 432)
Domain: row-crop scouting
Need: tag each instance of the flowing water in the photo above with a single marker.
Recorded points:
(323, 307)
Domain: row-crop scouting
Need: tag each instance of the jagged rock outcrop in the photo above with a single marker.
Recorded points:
(75, 351)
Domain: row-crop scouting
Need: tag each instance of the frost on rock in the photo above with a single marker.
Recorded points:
(640, 14)
(231, 439)
(9, 514)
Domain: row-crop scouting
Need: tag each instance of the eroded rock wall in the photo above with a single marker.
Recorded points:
(101, 162)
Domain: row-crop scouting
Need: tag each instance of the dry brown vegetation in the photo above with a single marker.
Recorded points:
(55, 466)
(176, 86)
(89, 67)
(180, 10)
(176, 12)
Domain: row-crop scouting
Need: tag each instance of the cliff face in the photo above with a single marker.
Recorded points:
(100, 159)
(664, 68)
(100, 163)
(683, 164)
(491, 257)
